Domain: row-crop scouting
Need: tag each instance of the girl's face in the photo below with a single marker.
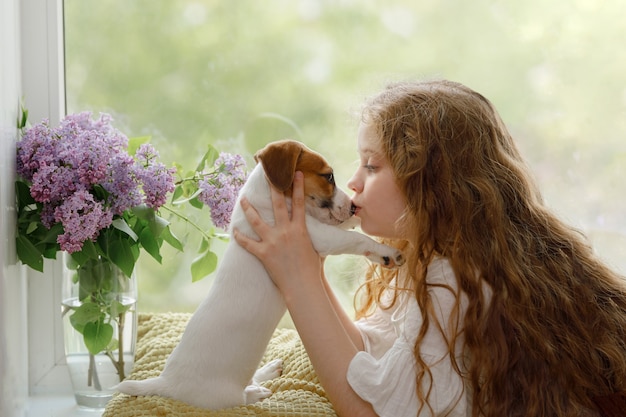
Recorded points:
(378, 200)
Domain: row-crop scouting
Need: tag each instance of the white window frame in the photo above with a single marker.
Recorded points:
(43, 91)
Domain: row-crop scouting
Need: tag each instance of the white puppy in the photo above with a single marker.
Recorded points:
(214, 364)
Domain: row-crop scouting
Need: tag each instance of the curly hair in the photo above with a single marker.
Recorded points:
(552, 336)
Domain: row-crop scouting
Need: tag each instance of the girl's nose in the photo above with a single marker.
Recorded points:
(354, 184)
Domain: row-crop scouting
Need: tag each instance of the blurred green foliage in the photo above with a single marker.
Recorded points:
(238, 74)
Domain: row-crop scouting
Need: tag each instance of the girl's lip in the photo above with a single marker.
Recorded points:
(354, 209)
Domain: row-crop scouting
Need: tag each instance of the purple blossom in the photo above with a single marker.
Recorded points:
(88, 155)
(53, 184)
(123, 184)
(82, 218)
(36, 148)
(47, 215)
(157, 179)
(82, 174)
(219, 189)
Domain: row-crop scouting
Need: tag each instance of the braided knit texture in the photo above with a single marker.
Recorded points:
(297, 392)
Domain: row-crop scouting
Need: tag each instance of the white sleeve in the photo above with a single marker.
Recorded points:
(377, 332)
(389, 384)
(388, 380)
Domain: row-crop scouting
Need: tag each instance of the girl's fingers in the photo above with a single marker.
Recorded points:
(279, 206)
(252, 216)
(265, 231)
(245, 242)
(251, 245)
(297, 198)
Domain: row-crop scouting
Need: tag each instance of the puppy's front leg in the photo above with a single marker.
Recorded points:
(331, 240)
(254, 391)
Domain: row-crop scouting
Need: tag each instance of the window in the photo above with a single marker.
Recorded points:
(240, 74)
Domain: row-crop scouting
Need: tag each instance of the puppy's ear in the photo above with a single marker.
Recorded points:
(279, 161)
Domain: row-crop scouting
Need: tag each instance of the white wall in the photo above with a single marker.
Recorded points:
(13, 361)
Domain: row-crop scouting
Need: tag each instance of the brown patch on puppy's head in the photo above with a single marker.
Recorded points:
(281, 160)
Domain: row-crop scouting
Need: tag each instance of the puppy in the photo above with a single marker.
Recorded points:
(214, 364)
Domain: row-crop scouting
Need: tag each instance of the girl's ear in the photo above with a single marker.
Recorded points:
(279, 161)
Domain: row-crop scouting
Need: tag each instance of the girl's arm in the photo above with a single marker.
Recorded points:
(346, 320)
(329, 337)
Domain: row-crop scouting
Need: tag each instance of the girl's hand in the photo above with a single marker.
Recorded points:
(285, 249)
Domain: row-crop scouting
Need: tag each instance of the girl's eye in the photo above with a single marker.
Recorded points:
(369, 168)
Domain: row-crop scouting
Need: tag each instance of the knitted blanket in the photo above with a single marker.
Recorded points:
(296, 393)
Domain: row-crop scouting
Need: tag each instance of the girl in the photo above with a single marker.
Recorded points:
(501, 309)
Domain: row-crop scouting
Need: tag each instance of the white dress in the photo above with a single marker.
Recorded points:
(384, 373)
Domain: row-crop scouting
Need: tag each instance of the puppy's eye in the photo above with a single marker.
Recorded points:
(330, 178)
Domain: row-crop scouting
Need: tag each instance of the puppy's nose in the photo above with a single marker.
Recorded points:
(352, 209)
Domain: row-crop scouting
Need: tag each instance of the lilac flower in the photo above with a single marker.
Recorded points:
(122, 183)
(83, 176)
(87, 155)
(47, 216)
(157, 180)
(53, 184)
(219, 189)
(82, 218)
(36, 148)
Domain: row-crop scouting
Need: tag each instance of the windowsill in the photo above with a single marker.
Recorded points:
(58, 405)
(52, 396)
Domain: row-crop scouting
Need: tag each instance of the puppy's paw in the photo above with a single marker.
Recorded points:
(269, 371)
(256, 393)
(386, 256)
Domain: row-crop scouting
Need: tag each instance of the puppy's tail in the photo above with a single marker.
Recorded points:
(152, 386)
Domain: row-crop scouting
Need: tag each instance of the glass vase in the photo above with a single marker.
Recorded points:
(100, 327)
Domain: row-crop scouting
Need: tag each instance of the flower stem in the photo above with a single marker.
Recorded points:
(186, 219)
(92, 375)
(120, 354)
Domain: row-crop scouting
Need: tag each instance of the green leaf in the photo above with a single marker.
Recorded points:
(157, 224)
(50, 236)
(50, 252)
(99, 192)
(195, 194)
(91, 277)
(194, 202)
(97, 336)
(86, 313)
(203, 265)
(208, 158)
(113, 345)
(23, 121)
(123, 255)
(90, 252)
(118, 308)
(171, 239)
(150, 244)
(178, 192)
(32, 226)
(144, 212)
(28, 253)
(121, 225)
(22, 192)
(205, 244)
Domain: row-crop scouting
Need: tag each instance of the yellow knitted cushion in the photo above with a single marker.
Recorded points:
(296, 393)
